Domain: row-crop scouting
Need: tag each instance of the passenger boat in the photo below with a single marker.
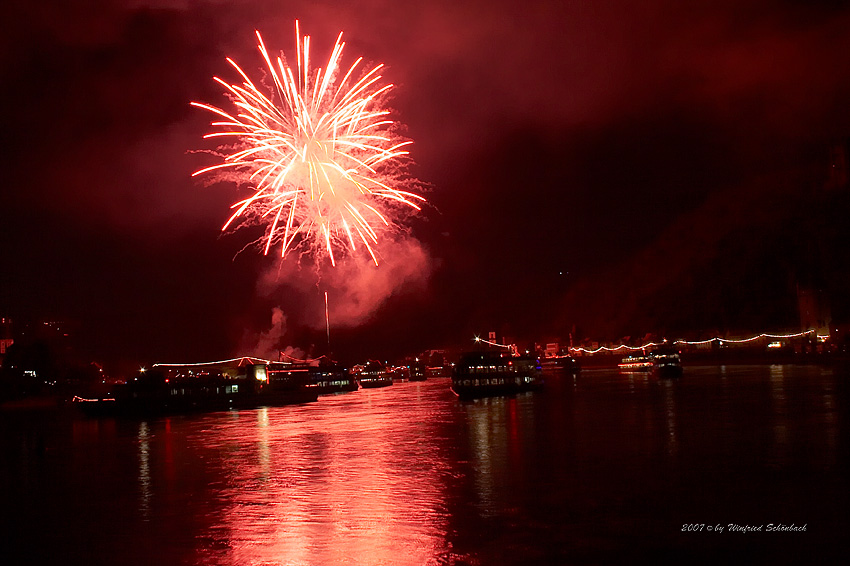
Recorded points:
(323, 375)
(160, 393)
(637, 363)
(560, 363)
(492, 373)
(373, 374)
(664, 361)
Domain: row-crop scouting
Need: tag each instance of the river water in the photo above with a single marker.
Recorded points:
(602, 467)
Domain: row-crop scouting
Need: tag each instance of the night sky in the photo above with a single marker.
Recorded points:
(603, 168)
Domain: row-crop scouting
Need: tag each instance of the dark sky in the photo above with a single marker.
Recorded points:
(615, 168)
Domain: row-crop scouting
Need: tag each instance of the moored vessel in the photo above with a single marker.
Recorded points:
(373, 374)
(667, 362)
(162, 393)
(322, 375)
(663, 361)
(491, 373)
(637, 363)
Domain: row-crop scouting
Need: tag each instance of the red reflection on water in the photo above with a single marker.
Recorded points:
(170, 472)
(497, 436)
(513, 428)
(341, 481)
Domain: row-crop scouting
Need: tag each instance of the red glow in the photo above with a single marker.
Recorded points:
(361, 489)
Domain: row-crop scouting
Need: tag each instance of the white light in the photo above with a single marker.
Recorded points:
(719, 340)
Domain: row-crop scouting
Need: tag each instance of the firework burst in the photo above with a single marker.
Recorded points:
(317, 150)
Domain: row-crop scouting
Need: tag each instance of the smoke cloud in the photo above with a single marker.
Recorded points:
(269, 344)
(356, 287)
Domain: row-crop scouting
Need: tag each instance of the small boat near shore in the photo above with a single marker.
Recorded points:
(493, 373)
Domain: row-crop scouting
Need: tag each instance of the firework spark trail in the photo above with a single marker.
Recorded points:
(319, 153)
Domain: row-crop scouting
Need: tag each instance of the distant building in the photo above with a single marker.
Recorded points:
(549, 349)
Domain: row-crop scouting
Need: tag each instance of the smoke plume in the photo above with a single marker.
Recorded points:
(356, 287)
(269, 344)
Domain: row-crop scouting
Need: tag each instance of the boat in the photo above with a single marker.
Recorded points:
(491, 373)
(438, 371)
(323, 375)
(399, 373)
(667, 362)
(436, 364)
(637, 363)
(663, 361)
(161, 393)
(373, 374)
(418, 371)
(568, 364)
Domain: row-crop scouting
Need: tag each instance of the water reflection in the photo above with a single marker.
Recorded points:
(263, 447)
(779, 402)
(830, 411)
(493, 438)
(353, 483)
(144, 470)
(668, 388)
(482, 440)
(594, 469)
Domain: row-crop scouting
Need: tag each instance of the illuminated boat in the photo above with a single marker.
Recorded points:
(664, 361)
(562, 362)
(373, 374)
(322, 375)
(494, 373)
(637, 363)
(667, 362)
(161, 393)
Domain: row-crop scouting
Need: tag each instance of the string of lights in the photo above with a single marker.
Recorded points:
(620, 347)
(239, 360)
(682, 342)
(286, 357)
(219, 362)
(698, 342)
(479, 339)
